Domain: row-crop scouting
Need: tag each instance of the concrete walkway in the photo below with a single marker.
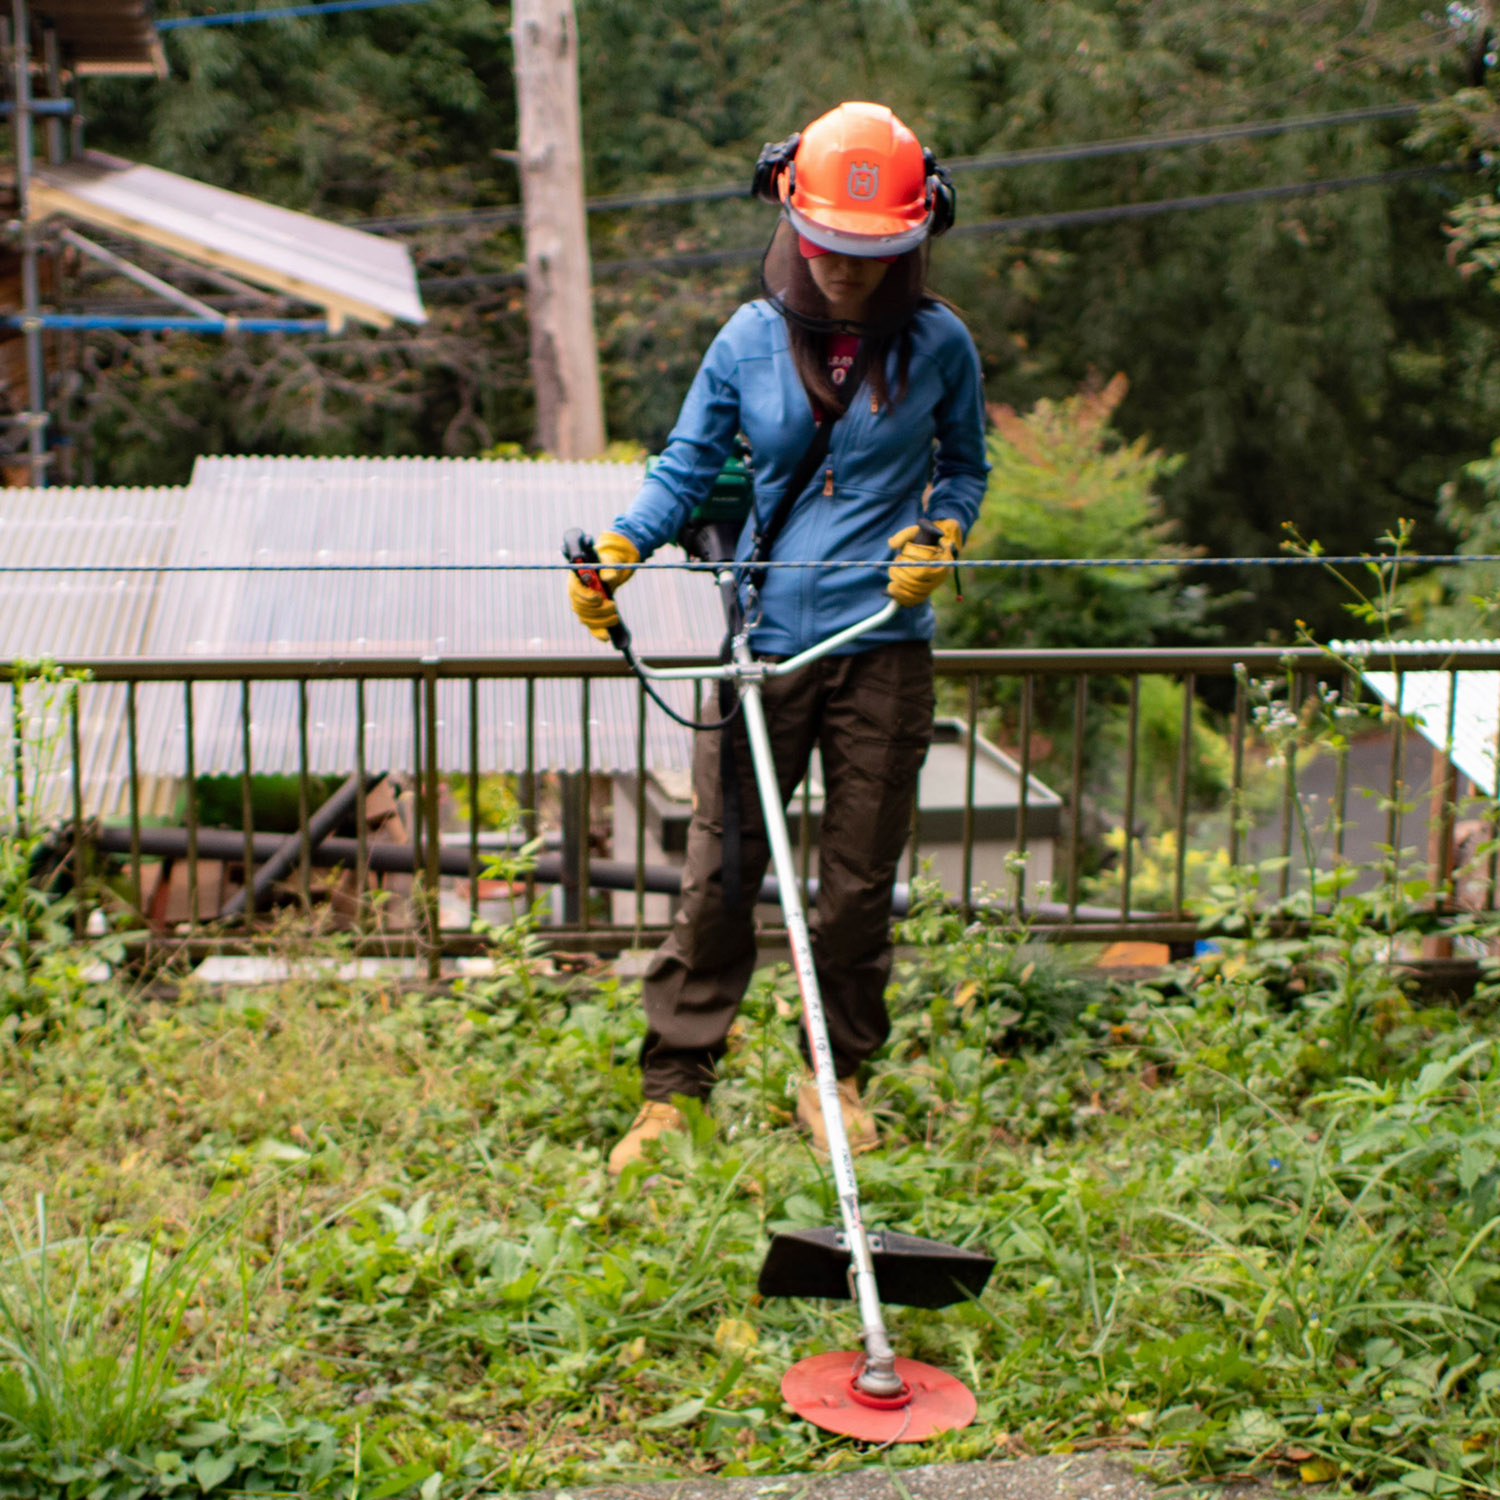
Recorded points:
(1078, 1476)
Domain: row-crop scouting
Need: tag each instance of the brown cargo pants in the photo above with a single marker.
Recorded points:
(870, 715)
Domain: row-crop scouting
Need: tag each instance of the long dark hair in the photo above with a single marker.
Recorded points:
(791, 289)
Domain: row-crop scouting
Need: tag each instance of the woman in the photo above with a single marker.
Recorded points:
(847, 335)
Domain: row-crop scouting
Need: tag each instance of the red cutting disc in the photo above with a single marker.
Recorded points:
(822, 1390)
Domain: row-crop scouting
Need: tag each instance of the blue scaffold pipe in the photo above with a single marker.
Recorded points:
(100, 322)
(278, 13)
(39, 107)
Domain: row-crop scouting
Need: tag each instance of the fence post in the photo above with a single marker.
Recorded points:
(192, 804)
(134, 770)
(433, 849)
(80, 851)
(247, 808)
(1132, 735)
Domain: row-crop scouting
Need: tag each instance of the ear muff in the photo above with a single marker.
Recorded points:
(942, 200)
(775, 158)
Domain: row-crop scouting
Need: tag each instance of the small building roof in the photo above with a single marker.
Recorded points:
(349, 273)
(104, 36)
(86, 614)
(1469, 700)
(286, 512)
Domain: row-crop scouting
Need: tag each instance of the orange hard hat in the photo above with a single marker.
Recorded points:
(857, 182)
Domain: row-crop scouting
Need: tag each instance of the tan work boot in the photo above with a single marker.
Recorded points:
(655, 1119)
(859, 1124)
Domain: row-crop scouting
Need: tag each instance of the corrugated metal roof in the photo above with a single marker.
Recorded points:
(1474, 697)
(104, 36)
(348, 272)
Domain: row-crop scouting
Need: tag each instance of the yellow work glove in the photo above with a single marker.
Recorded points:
(596, 610)
(913, 576)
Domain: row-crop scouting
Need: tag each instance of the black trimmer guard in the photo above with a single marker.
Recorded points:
(909, 1271)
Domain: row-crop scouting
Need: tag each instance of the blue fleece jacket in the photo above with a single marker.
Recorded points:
(881, 463)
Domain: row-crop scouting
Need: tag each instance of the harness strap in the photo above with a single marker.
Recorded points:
(731, 844)
(807, 466)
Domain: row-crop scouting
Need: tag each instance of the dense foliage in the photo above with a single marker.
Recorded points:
(329, 1237)
(1317, 360)
(1063, 484)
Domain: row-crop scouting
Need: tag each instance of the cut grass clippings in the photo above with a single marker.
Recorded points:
(1248, 1222)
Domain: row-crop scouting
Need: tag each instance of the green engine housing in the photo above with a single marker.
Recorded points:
(733, 493)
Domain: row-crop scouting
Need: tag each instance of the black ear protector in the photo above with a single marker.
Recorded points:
(775, 157)
(942, 200)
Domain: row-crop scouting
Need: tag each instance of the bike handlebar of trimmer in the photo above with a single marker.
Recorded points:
(578, 548)
(774, 668)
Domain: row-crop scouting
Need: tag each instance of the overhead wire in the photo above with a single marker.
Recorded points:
(1174, 139)
(511, 213)
(1012, 224)
(1064, 218)
(690, 565)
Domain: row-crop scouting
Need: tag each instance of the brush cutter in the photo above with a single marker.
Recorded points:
(871, 1394)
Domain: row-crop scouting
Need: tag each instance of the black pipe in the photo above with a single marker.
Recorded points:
(328, 817)
(547, 869)
(228, 845)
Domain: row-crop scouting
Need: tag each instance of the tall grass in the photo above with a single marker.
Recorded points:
(1243, 1217)
(90, 1333)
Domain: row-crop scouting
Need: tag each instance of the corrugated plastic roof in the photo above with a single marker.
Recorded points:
(348, 272)
(82, 614)
(289, 511)
(1475, 700)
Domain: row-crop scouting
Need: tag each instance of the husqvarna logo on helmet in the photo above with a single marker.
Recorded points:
(864, 179)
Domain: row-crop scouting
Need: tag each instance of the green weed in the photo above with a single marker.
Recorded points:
(1241, 1219)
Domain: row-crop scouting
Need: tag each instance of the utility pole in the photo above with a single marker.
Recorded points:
(559, 298)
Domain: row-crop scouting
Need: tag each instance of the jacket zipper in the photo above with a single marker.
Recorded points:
(828, 480)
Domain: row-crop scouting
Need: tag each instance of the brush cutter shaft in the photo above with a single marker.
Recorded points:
(879, 1377)
(748, 669)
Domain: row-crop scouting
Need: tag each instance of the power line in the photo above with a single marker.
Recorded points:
(280, 13)
(1024, 223)
(686, 261)
(668, 565)
(1168, 140)
(1031, 156)
(1014, 224)
(510, 213)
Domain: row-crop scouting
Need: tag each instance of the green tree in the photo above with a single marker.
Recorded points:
(1462, 602)
(397, 111)
(1313, 360)
(1065, 484)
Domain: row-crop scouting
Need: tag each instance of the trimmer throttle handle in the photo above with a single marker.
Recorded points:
(929, 534)
(578, 548)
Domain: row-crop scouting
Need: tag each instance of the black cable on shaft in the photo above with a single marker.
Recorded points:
(704, 727)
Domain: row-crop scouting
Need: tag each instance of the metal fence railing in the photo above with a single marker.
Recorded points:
(1135, 780)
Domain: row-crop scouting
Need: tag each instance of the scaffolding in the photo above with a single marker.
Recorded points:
(258, 252)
